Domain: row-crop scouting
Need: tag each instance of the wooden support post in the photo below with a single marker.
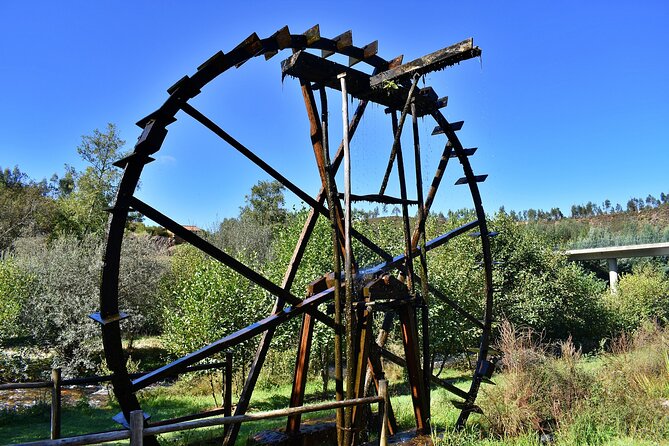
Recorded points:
(348, 264)
(427, 363)
(55, 403)
(136, 428)
(378, 376)
(302, 360)
(383, 412)
(301, 371)
(410, 340)
(331, 193)
(364, 333)
(227, 393)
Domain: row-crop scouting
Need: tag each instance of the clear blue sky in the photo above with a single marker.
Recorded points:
(569, 103)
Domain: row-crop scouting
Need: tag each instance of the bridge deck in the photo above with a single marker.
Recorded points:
(620, 252)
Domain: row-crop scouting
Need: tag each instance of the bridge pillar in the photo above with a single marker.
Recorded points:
(613, 275)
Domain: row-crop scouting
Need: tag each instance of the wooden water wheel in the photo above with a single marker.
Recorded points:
(358, 293)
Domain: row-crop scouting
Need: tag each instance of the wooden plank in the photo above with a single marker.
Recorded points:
(455, 126)
(476, 178)
(344, 40)
(434, 61)
(466, 152)
(248, 48)
(313, 34)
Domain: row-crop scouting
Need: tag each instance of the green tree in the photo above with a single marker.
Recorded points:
(25, 207)
(265, 203)
(82, 209)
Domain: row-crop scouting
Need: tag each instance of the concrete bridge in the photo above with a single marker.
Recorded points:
(613, 253)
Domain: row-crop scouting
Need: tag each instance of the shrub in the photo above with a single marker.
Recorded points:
(14, 286)
(538, 287)
(144, 262)
(62, 296)
(630, 396)
(454, 269)
(209, 301)
(642, 295)
(624, 395)
(64, 291)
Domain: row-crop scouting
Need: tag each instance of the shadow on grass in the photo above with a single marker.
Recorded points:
(150, 357)
(18, 426)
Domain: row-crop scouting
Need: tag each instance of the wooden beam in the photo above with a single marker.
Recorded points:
(311, 68)
(434, 61)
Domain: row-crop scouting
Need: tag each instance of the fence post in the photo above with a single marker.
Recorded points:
(227, 395)
(55, 403)
(383, 412)
(136, 428)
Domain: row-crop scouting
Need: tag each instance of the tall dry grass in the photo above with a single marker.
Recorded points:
(552, 388)
(539, 391)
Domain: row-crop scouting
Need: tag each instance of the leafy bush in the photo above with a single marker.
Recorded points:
(209, 301)
(538, 287)
(63, 291)
(642, 295)
(534, 285)
(14, 286)
(454, 269)
(144, 262)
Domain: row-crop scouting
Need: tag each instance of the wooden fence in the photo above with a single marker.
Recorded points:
(56, 384)
(138, 431)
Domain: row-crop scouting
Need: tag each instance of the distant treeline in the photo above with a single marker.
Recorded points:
(591, 209)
